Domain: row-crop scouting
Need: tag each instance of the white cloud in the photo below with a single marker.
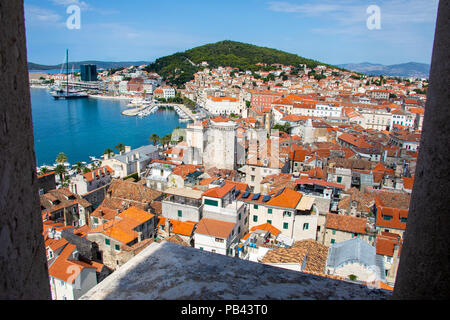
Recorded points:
(349, 16)
(37, 15)
(66, 3)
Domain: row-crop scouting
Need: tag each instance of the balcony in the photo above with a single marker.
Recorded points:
(197, 203)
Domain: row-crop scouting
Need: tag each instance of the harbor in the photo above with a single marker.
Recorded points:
(147, 108)
(86, 127)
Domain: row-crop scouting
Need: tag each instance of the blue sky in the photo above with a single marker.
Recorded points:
(331, 31)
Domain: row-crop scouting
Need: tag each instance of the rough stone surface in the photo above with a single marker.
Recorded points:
(168, 271)
(23, 268)
(424, 269)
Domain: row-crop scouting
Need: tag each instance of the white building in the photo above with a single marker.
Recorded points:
(326, 111)
(289, 211)
(223, 106)
(86, 182)
(70, 278)
(131, 161)
(215, 236)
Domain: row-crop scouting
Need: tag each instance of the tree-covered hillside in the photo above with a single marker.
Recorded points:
(180, 67)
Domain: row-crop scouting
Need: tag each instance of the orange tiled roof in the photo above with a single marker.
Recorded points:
(215, 228)
(346, 223)
(219, 192)
(286, 199)
(267, 227)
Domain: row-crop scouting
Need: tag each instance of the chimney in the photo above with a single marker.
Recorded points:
(167, 226)
(93, 174)
(140, 237)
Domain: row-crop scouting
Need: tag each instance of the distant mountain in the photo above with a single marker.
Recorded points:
(410, 69)
(180, 67)
(99, 64)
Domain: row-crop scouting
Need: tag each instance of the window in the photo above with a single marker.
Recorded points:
(220, 240)
(180, 213)
(305, 226)
(332, 241)
(201, 248)
(334, 232)
(117, 247)
(255, 206)
(285, 225)
(255, 218)
(95, 220)
(107, 242)
(239, 229)
(239, 216)
(211, 202)
(213, 250)
(269, 221)
(339, 179)
(403, 220)
(387, 218)
(269, 211)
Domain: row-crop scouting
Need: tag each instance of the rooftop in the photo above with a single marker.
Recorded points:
(168, 271)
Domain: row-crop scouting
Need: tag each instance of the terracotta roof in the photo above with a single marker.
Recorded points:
(215, 228)
(286, 199)
(97, 173)
(177, 240)
(67, 270)
(122, 229)
(385, 245)
(315, 253)
(408, 183)
(267, 227)
(219, 192)
(346, 223)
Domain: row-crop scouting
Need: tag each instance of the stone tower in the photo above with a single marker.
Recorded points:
(220, 150)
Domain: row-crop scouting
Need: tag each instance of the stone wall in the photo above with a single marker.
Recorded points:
(23, 265)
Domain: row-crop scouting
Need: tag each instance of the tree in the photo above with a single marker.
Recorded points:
(109, 152)
(86, 170)
(61, 171)
(61, 158)
(79, 167)
(248, 104)
(120, 147)
(44, 170)
(154, 138)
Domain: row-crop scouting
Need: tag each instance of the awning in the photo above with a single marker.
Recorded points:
(305, 203)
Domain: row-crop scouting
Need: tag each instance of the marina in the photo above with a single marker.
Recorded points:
(84, 128)
(146, 108)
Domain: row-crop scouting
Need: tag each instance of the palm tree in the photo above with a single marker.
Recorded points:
(154, 138)
(86, 170)
(108, 152)
(61, 158)
(79, 167)
(120, 147)
(60, 170)
(44, 170)
(168, 138)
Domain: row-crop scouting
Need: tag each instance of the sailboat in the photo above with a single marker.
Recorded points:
(67, 94)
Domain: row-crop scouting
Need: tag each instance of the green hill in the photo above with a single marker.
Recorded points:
(180, 67)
